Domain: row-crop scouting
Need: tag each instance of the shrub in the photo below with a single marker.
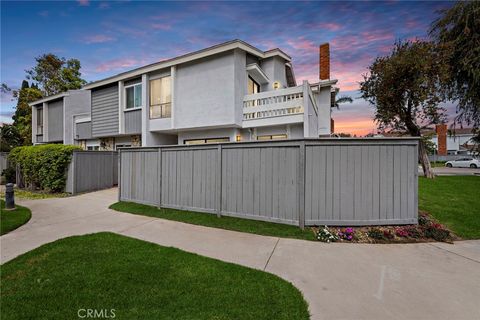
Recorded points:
(43, 166)
(325, 235)
(9, 174)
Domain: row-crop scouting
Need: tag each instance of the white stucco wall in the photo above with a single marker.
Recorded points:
(274, 69)
(205, 92)
(324, 110)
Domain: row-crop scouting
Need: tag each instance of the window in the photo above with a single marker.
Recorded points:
(133, 96)
(160, 98)
(272, 137)
(39, 120)
(253, 87)
(203, 141)
(93, 148)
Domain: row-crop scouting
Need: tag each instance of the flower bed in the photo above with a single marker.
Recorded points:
(426, 230)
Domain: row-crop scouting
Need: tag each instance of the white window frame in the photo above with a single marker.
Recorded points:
(125, 97)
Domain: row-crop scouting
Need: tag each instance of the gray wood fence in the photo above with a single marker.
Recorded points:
(92, 170)
(298, 182)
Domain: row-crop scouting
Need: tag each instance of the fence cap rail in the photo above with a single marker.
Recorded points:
(285, 142)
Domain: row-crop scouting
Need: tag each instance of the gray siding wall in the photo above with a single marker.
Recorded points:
(92, 170)
(83, 130)
(311, 182)
(105, 111)
(55, 121)
(133, 121)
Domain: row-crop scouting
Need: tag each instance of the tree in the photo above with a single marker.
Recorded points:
(457, 32)
(340, 100)
(22, 118)
(404, 89)
(55, 75)
(9, 137)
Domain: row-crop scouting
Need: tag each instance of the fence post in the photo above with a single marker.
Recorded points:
(301, 186)
(159, 172)
(219, 181)
(74, 171)
(119, 177)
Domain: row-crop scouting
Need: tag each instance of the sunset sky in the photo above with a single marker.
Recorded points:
(111, 37)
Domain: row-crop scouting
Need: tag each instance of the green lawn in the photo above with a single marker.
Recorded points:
(211, 220)
(140, 280)
(454, 201)
(11, 220)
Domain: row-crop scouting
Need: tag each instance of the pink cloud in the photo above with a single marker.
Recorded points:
(330, 26)
(364, 39)
(160, 26)
(98, 38)
(302, 44)
(43, 13)
(115, 64)
(83, 3)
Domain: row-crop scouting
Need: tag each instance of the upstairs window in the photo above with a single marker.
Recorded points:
(252, 86)
(39, 120)
(160, 98)
(133, 96)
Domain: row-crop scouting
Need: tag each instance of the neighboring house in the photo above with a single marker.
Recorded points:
(453, 142)
(228, 92)
(447, 141)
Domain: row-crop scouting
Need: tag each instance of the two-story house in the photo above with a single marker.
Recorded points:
(228, 92)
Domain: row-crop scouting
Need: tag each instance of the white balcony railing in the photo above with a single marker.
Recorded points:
(276, 103)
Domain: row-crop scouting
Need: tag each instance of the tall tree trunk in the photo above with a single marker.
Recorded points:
(424, 161)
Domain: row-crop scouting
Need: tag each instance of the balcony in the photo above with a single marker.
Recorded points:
(281, 106)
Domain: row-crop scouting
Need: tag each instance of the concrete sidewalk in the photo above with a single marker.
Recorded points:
(339, 281)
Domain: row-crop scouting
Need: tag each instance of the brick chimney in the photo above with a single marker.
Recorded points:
(441, 130)
(324, 61)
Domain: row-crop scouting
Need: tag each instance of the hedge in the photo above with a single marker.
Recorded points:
(43, 166)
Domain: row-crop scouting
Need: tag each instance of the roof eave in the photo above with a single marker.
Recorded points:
(220, 48)
(49, 98)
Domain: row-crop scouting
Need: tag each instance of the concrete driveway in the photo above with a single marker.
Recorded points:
(339, 281)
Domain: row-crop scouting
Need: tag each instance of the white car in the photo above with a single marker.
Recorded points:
(463, 163)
